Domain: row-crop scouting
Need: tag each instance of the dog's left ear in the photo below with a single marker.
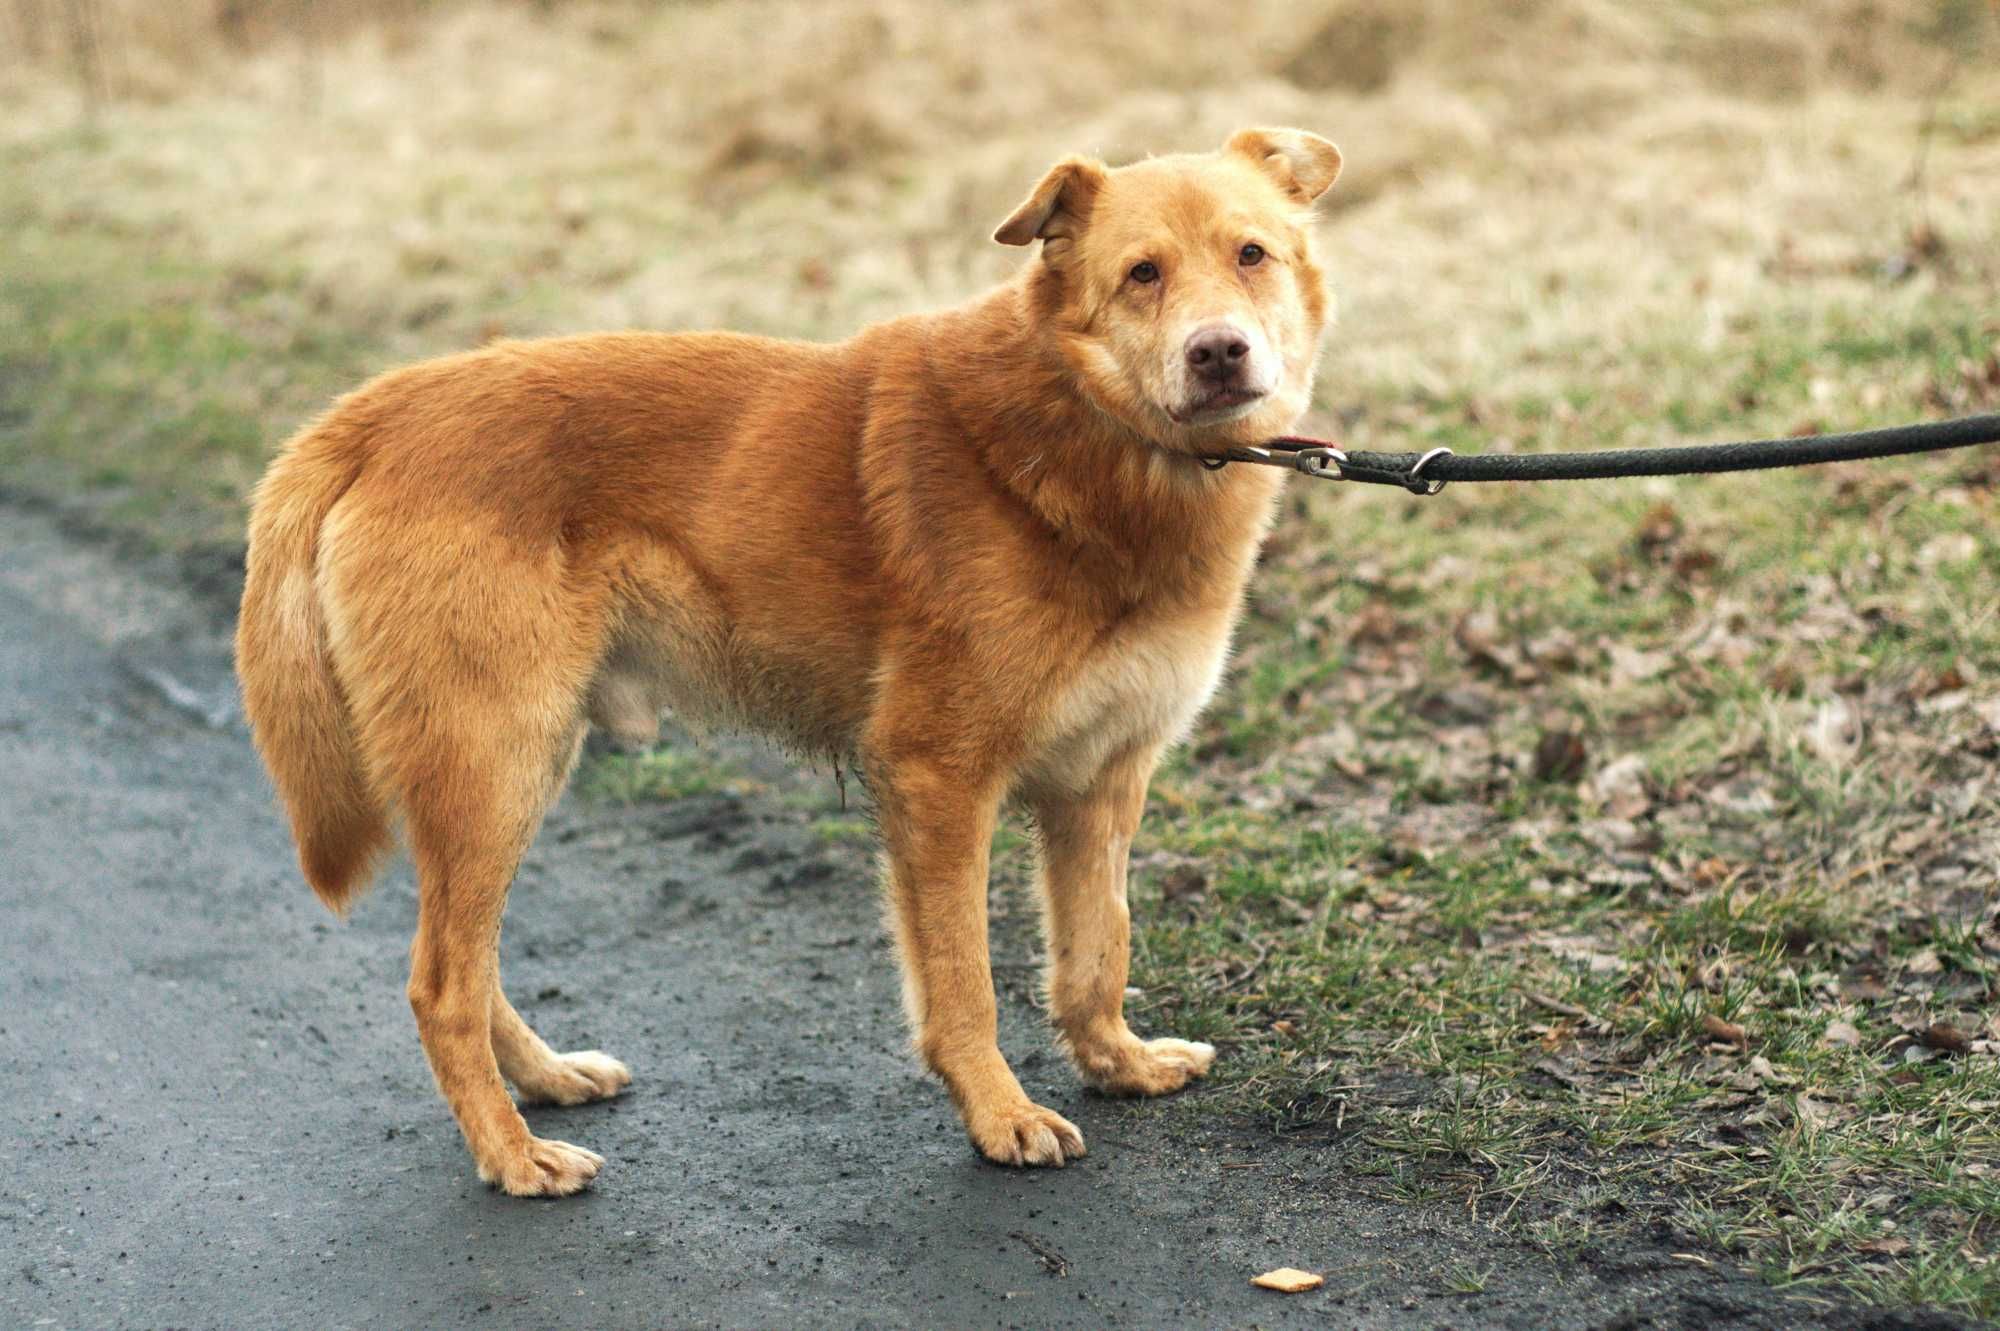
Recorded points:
(1058, 206)
(1304, 164)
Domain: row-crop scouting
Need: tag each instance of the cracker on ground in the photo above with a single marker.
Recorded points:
(1287, 1280)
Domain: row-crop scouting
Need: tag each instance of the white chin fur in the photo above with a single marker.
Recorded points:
(1219, 415)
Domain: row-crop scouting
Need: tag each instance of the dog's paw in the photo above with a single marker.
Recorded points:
(545, 1169)
(575, 1079)
(1144, 1067)
(1025, 1134)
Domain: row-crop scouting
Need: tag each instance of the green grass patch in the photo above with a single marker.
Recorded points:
(1732, 969)
(147, 391)
(663, 774)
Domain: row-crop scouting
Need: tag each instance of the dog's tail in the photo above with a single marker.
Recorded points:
(298, 716)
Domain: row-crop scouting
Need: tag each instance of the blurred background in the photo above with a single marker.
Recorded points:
(1669, 808)
(298, 190)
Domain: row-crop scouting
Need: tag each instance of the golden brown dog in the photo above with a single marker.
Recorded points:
(975, 550)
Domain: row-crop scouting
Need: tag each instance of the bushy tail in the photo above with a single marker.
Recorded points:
(298, 718)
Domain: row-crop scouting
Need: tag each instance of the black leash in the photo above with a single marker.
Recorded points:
(1428, 473)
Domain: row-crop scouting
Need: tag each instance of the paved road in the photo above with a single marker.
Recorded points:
(216, 1114)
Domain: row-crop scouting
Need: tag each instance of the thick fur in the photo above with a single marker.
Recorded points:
(974, 550)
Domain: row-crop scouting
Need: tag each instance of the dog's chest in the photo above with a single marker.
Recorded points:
(1139, 687)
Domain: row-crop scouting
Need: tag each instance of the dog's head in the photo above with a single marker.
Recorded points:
(1183, 290)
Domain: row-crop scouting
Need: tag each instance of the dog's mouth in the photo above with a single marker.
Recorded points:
(1216, 404)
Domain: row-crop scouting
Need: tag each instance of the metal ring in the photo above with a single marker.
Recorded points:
(1324, 463)
(1419, 484)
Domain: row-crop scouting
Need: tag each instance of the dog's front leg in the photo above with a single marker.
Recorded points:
(1086, 841)
(937, 828)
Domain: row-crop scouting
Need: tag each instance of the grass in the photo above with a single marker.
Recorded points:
(661, 774)
(155, 416)
(1699, 996)
(1603, 859)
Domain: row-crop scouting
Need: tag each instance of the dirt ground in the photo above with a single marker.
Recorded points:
(221, 1116)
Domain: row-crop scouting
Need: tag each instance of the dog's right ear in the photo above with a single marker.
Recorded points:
(1056, 209)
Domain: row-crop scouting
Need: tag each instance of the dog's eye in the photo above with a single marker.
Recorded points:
(1147, 271)
(1250, 255)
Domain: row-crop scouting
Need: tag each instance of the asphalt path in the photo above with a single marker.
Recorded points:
(216, 1113)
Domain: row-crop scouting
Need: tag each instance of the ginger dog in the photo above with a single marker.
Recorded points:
(976, 551)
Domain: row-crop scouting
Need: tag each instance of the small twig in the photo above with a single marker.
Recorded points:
(312, 77)
(1556, 1005)
(1918, 182)
(1263, 951)
(86, 53)
(1051, 1259)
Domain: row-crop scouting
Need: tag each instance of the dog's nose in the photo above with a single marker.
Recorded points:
(1217, 351)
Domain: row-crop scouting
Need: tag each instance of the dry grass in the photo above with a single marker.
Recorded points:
(1511, 792)
(795, 166)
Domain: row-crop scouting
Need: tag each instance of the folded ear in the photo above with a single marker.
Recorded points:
(1058, 206)
(1306, 165)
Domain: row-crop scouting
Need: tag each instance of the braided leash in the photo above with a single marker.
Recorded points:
(1427, 473)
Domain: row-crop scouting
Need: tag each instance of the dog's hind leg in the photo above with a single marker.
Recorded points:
(467, 828)
(468, 680)
(539, 1073)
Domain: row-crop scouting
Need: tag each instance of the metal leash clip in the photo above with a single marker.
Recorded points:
(1306, 456)
(1322, 461)
(1419, 484)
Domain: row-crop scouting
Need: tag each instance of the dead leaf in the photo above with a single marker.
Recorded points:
(1842, 1033)
(1375, 623)
(1558, 1006)
(1957, 547)
(1556, 1072)
(1288, 1280)
(1619, 787)
(1863, 988)
(1462, 705)
(1749, 796)
(1629, 665)
(1478, 635)
(1612, 835)
(1761, 1069)
(1694, 563)
(1713, 872)
(1184, 883)
(1659, 528)
(1726, 1031)
(1337, 747)
(1835, 731)
(1949, 680)
(1926, 962)
(1895, 1245)
(1560, 755)
(1946, 1037)
(1555, 650)
(1585, 952)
